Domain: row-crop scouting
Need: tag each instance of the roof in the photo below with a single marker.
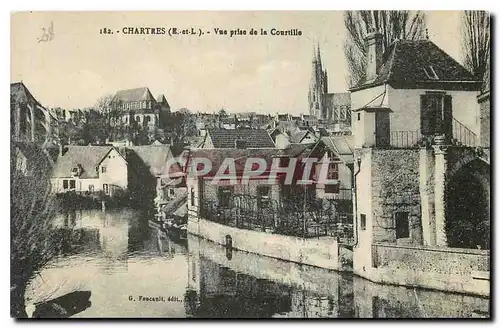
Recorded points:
(162, 100)
(240, 156)
(339, 99)
(217, 156)
(255, 138)
(20, 93)
(137, 94)
(174, 205)
(409, 64)
(342, 146)
(154, 156)
(88, 157)
(297, 137)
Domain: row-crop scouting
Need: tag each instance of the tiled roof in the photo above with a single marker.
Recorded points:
(153, 156)
(407, 64)
(255, 138)
(88, 157)
(240, 156)
(217, 156)
(137, 94)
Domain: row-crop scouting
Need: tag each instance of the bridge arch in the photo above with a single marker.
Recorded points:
(468, 205)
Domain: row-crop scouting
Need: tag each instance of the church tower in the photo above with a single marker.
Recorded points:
(318, 87)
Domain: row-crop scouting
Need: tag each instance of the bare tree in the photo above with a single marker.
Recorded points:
(476, 42)
(110, 113)
(393, 25)
(34, 241)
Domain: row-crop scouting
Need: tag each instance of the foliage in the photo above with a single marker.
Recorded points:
(475, 35)
(34, 242)
(179, 125)
(393, 25)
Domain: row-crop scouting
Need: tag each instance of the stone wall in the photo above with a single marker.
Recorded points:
(395, 187)
(383, 301)
(484, 118)
(450, 269)
(320, 252)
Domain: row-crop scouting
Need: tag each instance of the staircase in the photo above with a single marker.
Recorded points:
(463, 136)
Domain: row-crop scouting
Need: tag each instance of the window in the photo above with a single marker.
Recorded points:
(103, 169)
(65, 184)
(332, 188)
(192, 197)
(138, 119)
(105, 188)
(402, 225)
(91, 188)
(363, 221)
(224, 195)
(333, 171)
(436, 114)
(359, 116)
(172, 192)
(72, 184)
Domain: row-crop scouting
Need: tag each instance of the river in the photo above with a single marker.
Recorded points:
(132, 270)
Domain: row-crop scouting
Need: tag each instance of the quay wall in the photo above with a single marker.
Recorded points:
(321, 252)
(449, 269)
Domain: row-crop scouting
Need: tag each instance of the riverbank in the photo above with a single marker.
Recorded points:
(350, 295)
(446, 275)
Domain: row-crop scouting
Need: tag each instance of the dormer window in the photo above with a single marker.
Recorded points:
(431, 73)
(76, 170)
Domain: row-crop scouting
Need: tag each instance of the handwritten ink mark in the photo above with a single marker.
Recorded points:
(48, 33)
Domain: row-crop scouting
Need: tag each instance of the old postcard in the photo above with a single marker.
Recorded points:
(305, 164)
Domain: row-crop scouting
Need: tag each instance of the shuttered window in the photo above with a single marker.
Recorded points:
(436, 115)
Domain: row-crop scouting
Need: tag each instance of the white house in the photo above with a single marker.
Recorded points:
(88, 169)
(408, 91)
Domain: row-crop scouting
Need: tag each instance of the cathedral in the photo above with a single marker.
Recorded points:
(333, 108)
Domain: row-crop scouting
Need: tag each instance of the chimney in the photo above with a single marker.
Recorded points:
(373, 43)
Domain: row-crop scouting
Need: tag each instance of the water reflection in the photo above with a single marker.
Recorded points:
(122, 262)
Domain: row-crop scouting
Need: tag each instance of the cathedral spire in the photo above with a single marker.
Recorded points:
(319, 55)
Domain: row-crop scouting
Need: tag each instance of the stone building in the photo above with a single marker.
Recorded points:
(422, 195)
(140, 107)
(330, 107)
(30, 121)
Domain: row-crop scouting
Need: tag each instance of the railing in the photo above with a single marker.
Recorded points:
(342, 194)
(463, 135)
(315, 218)
(404, 139)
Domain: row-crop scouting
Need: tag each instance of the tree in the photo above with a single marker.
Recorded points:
(393, 25)
(179, 125)
(34, 242)
(111, 115)
(475, 33)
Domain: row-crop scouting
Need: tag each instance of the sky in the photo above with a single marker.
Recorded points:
(262, 73)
